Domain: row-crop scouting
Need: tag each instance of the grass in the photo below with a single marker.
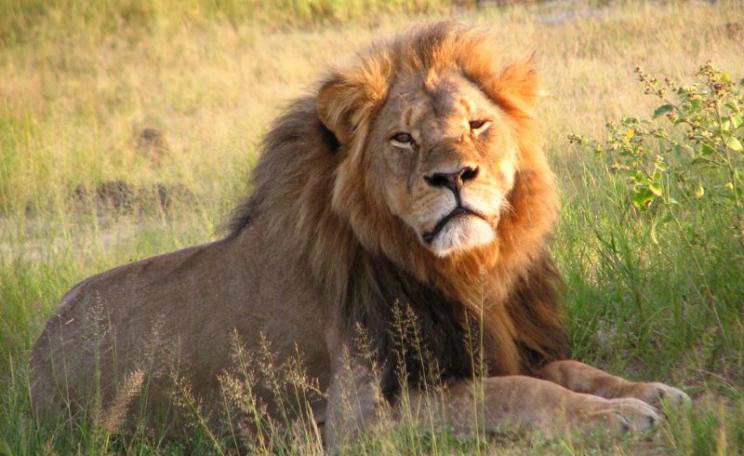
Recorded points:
(81, 81)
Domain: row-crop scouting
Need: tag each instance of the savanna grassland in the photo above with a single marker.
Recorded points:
(129, 128)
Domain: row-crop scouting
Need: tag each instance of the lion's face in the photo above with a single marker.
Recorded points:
(437, 142)
(443, 158)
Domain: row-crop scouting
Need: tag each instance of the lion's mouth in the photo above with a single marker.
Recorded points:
(456, 213)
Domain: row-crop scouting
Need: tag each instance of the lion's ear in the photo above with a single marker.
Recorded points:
(335, 106)
(520, 81)
(346, 100)
(516, 86)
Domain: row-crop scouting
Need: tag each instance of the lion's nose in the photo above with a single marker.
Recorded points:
(453, 181)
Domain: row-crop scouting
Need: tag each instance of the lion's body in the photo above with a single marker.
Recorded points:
(343, 225)
(158, 314)
(187, 303)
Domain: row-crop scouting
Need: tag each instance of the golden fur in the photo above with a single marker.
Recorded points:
(327, 241)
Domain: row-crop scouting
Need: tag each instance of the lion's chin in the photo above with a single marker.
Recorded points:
(460, 234)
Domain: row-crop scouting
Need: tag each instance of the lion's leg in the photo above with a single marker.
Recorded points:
(354, 403)
(583, 378)
(492, 405)
(520, 402)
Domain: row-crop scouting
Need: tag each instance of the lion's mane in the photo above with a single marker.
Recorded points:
(308, 185)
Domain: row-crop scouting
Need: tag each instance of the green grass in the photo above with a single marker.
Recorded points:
(81, 80)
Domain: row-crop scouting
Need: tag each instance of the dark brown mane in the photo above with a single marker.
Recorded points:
(391, 308)
(298, 128)
(419, 332)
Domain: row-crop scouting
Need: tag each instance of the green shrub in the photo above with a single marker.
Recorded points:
(692, 148)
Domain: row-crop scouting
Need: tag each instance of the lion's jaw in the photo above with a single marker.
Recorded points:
(449, 184)
(462, 233)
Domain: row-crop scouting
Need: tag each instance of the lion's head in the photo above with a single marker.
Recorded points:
(414, 174)
(433, 134)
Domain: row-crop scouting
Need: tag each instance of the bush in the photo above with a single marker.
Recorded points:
(692, 148)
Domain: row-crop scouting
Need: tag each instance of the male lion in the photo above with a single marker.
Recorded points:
(412, 179)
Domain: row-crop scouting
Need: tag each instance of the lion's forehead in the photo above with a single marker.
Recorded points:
(436, 109)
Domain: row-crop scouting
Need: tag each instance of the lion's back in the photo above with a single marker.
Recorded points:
(119, 321)
(174, 312)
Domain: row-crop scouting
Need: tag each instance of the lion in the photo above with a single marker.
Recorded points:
(413, 177)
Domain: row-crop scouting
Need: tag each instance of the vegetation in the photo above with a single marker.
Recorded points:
(127, 129)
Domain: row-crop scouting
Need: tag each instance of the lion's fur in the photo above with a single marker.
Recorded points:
(312, 243)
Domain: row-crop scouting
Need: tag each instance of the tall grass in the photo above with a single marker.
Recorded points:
(81, 81)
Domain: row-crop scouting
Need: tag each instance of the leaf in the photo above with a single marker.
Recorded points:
(643, 198)
(663, 109)
(700, 191)
(733, 143)
(654, 239)
(706, 149)
(655, 189)
(736, 121)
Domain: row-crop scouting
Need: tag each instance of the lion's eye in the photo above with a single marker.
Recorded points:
(402, 139)
(478, 125)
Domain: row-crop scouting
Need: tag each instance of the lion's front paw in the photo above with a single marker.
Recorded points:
(655, 393)
(619, 415)
(634, 415)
